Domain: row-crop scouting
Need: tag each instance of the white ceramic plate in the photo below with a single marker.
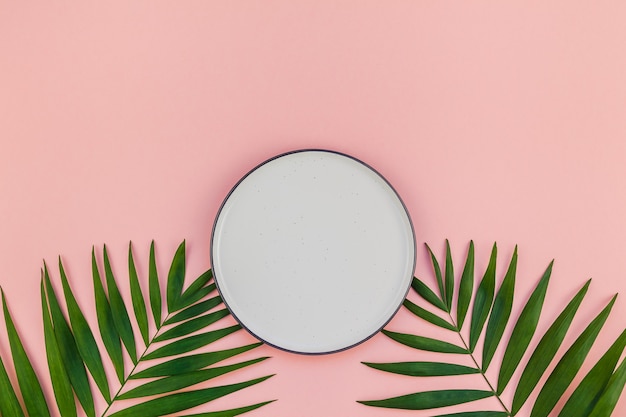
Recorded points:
(313, 251)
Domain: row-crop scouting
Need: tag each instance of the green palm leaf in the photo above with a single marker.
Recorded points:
(108, 332)
(466, 286)
(476, 414)
(546, 350)
(427, 294)
(61, 384)
(588, 392)
(611, 394)
(174, 403)
(72, 360)
(171, 351)
(191, 343)
(430, 399)
(423, 368)
(118, 308)
(192, 325)
(483, 300)
(449, 276)
(176, 382)
(597, 393)
(196, 309)
(500, 313)
(197, 290)
(232, 412)
(9, 404)
(139, 304)
(154, 289)
(191, 362)
(424, 343)
(568, 366)
(84, 338)
(26, 377)
(437, 271)
(176, 278)
(523, 331)
(427, 315)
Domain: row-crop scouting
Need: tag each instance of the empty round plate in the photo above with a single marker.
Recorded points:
(313, 251)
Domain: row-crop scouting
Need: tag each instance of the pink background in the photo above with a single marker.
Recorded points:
(495, 121)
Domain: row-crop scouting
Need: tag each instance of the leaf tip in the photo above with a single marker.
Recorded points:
(61, 265)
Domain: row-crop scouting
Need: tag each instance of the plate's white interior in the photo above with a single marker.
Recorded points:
(313, 252)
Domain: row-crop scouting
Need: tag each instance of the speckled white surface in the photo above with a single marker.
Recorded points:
(313, 252)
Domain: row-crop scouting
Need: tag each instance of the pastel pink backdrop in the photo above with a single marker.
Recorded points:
(495, 121)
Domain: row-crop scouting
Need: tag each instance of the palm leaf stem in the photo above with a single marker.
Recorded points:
(480, 369)
(130, 374)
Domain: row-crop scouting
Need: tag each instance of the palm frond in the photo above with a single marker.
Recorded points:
(597, 393)
(163, 387)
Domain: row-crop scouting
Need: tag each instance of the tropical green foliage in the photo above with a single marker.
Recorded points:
(597, 393)
(164, 362)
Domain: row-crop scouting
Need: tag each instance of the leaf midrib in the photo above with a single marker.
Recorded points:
(471, 355)
(130, 374)
(479, 368)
